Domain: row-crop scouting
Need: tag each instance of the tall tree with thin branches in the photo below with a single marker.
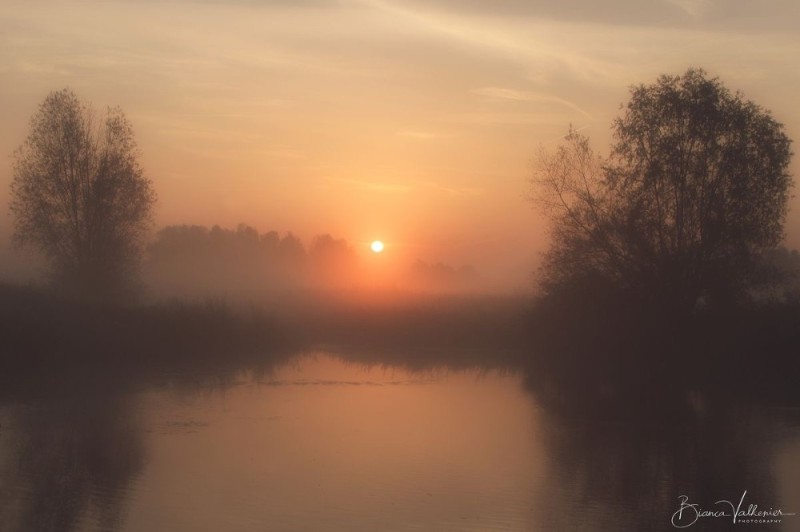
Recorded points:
(80, 196)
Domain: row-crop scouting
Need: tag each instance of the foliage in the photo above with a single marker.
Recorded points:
(693, 195)
(79, 194)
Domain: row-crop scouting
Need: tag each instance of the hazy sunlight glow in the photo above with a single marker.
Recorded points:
(376, 246)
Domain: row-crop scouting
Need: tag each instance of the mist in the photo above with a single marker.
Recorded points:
(199, 262)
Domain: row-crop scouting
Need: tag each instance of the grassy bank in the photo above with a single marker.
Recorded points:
(586, 349)
(56, 341)
(608, 347)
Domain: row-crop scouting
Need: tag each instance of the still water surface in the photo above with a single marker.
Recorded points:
(319, 443)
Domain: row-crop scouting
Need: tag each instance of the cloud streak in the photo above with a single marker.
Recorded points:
(499, 93)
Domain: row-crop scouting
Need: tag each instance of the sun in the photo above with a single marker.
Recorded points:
(376, 246)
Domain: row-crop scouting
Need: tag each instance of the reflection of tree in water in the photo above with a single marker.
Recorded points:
(71, 441)
(74, 461)
(626, 469)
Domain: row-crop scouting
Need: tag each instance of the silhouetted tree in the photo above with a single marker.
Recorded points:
(693, 194)
(79, 194)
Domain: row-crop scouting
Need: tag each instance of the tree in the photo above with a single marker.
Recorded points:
(79, 194)
(693, 194)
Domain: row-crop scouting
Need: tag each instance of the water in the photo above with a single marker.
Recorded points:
(320, 443)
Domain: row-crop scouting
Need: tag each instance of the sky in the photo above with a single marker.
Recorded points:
(411, 121)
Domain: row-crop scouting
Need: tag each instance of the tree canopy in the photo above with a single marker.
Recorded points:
(693, 193)
(80, 195)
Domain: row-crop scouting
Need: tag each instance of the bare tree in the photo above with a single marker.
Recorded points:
(79, 195)
(693, 194)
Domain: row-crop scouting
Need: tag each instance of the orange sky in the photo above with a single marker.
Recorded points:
(410, 121)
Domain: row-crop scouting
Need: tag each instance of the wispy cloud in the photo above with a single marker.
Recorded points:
(534, 43)
(500, 93)
(693, 8)
(509, 118)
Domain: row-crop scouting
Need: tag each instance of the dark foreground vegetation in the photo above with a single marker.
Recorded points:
(607, 348)
(579, 351)
(51, 342)
(54, 341)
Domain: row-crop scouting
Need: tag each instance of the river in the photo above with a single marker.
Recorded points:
(321, 442)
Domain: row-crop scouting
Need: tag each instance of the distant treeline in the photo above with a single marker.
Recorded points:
(192, 260)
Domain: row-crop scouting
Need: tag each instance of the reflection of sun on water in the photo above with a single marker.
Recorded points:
(376, 246)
